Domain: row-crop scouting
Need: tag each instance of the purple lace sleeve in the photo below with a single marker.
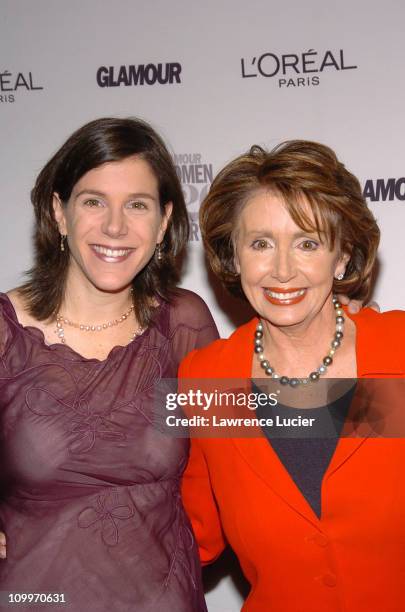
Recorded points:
(192, 325)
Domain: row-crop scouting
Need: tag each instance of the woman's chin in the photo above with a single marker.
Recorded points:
(284, 316)
(113, 285)
(286, 321)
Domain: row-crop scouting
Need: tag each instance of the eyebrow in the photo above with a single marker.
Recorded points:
(138, 194)
(265, 232)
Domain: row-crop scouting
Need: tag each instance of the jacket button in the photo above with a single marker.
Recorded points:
(318, 538)
(329, 580)
(321, 539)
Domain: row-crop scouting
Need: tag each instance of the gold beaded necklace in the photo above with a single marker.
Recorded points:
(61, 321)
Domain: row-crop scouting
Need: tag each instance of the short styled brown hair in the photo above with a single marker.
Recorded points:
(96, 143)
(298, 171)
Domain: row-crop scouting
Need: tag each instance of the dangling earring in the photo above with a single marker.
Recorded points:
(159, 254)
(340, 276)
(62, 242)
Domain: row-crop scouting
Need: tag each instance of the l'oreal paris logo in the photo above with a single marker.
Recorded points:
(288, 65)
(12, 83)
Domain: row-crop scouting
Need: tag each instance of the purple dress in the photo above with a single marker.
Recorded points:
(89, 488)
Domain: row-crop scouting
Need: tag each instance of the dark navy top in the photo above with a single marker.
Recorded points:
(307, 451)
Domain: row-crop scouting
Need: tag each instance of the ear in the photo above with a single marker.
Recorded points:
(59, 213)
(341, 264)
(164, 221)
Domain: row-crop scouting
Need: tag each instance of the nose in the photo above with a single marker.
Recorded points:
(114, 222)
(283, 265)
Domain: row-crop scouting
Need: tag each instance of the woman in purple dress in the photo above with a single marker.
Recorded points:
(89, 488)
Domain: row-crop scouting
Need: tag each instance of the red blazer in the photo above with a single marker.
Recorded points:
(352, 559)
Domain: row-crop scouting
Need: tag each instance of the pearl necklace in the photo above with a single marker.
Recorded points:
(313, 376)
(61, 321)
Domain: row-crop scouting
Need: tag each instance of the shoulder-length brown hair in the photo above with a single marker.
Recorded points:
(297, 171)
(100, 141)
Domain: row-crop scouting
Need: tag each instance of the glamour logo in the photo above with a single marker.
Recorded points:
(140, 74)
(12, 83)
(196, 178)
(288, 65)
(381, 190)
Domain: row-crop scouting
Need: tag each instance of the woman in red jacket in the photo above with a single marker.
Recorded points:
(315, 518)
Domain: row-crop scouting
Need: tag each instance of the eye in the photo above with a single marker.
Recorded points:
(260, 245)
(92, 203)
(137, 205)
(309, 245)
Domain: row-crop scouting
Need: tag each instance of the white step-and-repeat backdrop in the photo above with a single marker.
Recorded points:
(213, 78)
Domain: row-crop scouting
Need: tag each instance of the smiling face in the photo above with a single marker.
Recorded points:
(286, 273)
(113, 222)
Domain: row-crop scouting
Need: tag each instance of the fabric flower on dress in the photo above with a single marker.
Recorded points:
(108, 512)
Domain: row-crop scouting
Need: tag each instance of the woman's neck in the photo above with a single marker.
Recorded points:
(298, 349)
(85, 303)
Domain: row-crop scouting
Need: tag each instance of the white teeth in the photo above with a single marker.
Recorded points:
(110, 252)
(285, 296)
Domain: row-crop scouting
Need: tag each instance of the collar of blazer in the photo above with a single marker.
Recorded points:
(380, 346)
